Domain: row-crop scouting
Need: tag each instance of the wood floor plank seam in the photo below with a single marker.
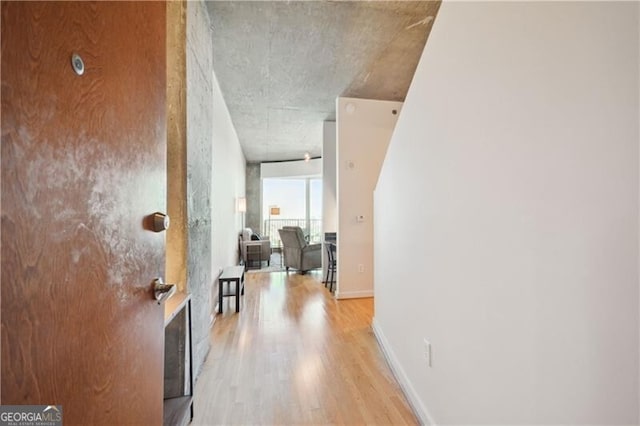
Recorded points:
(295, 355)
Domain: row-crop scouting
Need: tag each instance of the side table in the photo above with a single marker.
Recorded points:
(231, 274)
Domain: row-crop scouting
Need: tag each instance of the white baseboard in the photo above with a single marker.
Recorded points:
(407, 388)
(353, 294)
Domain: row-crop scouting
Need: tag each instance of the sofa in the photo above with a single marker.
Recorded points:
(247, 238)
(297, 253)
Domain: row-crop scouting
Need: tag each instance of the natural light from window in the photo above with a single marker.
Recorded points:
(294, 207)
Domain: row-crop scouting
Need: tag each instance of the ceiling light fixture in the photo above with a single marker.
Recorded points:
(307, 157)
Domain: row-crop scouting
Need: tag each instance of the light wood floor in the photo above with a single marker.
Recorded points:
(295, 355)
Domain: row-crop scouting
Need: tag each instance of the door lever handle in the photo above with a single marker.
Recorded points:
(162, 291)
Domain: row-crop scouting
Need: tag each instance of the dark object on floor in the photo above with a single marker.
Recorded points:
(229, 275)
(332, 264)
(246, 238)
(253, 257)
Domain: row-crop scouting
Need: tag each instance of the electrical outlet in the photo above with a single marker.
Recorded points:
(360, 268)
(427, 352)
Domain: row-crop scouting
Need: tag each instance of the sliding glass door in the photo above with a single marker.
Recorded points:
(314, 207)
(292, 202)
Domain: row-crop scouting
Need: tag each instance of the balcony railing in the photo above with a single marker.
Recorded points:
(270, 227)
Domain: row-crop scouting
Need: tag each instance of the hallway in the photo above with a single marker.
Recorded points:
(295, 355)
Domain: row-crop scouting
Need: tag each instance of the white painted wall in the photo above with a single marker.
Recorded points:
(228, 184)
(507, 217)
(329, 200)
(329, 185)
(301, 168)
(364, 128)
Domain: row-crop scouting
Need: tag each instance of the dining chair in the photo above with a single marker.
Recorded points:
(332, 264)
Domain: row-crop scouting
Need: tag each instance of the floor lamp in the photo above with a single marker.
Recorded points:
(242, 208)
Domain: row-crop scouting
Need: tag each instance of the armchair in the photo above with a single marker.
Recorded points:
(265, 247)
(297, 252)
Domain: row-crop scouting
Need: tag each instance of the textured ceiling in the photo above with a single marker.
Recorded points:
(281, 65)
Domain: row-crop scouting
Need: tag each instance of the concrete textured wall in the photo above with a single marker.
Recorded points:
(199, 173)
(254, 194)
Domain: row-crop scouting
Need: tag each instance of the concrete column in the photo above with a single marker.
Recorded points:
(254, 197)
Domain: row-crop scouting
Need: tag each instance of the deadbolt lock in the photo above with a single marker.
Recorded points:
(161, 222)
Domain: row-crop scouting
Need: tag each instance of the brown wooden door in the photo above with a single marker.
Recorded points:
(82, 163)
